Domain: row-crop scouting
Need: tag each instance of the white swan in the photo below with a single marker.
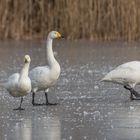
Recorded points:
(128, 75)
(19, 84)
(43, 77)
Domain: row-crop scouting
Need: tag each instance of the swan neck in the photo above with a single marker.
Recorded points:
(24, 71)
(50, 56)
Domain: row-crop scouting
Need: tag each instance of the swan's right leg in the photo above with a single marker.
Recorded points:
(47, 101)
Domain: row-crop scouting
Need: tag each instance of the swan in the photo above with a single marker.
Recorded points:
(19, 84)
(128, 75)
(43, 77)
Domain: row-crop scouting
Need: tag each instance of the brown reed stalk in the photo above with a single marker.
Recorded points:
(77, 19)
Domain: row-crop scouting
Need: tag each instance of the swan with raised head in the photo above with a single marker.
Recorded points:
(128, 75)
(43, 77)
(19, 84)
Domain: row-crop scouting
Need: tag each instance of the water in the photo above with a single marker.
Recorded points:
(88, 109)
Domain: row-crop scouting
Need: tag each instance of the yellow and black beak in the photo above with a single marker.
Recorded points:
(59, 35)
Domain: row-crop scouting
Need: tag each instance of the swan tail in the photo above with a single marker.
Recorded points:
(105, 79)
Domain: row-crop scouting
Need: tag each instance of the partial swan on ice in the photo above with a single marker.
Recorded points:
(19, 84)
(128, 75)
(43, 77)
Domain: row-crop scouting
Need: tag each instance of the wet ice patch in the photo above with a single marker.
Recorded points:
(96, 87)
(96, 115)
(131, 107)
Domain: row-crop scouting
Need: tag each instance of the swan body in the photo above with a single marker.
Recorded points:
(19, 84)
(127, 74)
(43, 77)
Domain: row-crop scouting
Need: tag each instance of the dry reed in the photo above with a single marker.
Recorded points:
(90, 19)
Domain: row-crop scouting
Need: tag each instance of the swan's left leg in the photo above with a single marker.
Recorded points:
(33, 100)
(20, 108)
(134, 95)
(47, 101)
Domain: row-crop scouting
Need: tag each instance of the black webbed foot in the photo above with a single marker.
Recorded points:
(37, 104)
(51, 103)
(19, 108)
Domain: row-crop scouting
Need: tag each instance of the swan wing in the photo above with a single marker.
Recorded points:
(12, 82)
(39, 76)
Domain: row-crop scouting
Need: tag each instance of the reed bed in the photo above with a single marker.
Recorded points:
(76, 19)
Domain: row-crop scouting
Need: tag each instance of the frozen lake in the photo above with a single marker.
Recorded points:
(88, 109)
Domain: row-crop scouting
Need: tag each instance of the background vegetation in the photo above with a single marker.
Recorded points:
(90, 19)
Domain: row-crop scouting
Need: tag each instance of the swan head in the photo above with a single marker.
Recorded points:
(54, 34)
(27, 59)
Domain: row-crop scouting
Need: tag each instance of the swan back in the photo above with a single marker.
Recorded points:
(124, 74)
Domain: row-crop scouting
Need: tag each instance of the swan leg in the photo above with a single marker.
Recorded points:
(37, 104)
(131, 96)
(20, 108)
(33, 100)
(47, 101)
(134, 94)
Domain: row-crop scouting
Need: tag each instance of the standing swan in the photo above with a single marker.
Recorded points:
(19, 85)
(43, 77)
(128, 75)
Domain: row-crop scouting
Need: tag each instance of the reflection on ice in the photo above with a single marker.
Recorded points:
(31, 127)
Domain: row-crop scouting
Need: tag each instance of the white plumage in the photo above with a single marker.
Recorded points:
(19, 84)
(127, 74)
(43, 77)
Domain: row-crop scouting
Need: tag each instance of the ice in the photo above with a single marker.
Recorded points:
(97, 115)
(87, 109)
(96, 87)
(112, 126)
(132, 108)
(90, 71)
(85, 113)
(85, 137)
(70, 138)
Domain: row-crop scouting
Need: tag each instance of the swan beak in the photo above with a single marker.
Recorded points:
(25, 60)
(59, 35)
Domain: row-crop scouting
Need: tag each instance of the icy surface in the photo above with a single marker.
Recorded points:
(87, 110)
